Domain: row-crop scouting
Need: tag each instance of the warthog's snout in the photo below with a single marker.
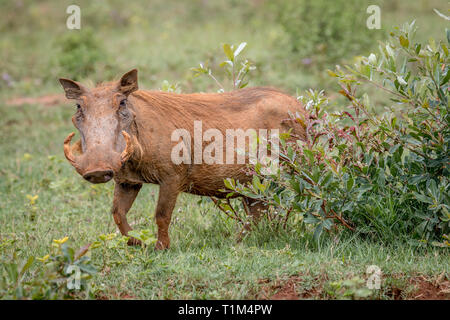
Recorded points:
(97, 165)
(98, 176)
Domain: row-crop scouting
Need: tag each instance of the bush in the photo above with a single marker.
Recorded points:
(325, 30)
(80, 53)
(384, 176)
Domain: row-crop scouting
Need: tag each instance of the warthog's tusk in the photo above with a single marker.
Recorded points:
(129, 148)
(68, 150)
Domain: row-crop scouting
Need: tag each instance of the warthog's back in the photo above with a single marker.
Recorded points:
(256, 108)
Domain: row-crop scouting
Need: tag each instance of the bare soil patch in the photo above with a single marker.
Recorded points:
(295, 288)
(116, 296)
(417, 287)
(427, 289)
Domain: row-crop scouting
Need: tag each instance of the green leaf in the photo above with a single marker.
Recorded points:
(446, 78)
(394, 148)
(240, 48)
(88, 268)
(229, 183)
(389, 51)
(350, 183)
(418, 47)
(276, 198)
(332, 74)
(27, 265)
(317, 232)
(372, 58)
(223, 64)
(442, 15)
(228, 51)
(423, 198)
(401, 81)
(256, 182)
(328, 223)
(310, 219)
(11, 269)
(404, 42)
(326, 179)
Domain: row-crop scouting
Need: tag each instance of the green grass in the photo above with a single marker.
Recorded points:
(205, 261)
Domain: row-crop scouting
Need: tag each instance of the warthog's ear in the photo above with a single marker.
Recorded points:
(73, 89)
(128, 83)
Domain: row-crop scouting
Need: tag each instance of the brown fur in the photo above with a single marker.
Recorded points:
(155, 116)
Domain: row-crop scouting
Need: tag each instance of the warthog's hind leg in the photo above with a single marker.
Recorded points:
(255, 210)
(124, 196)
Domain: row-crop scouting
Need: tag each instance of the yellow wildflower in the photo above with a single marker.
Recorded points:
(61, 241)
(32, 199)
(44, 258)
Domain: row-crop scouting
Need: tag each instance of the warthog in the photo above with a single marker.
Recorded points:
(126, 135)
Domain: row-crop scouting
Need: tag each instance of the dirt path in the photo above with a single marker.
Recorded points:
(47, 100)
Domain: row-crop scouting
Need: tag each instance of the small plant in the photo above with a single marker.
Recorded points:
(236, 69)
(170, 87)
(32, 206)
(61, 274)
(146, 236)
(354, 289)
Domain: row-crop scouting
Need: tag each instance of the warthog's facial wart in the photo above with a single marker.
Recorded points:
(103, 117)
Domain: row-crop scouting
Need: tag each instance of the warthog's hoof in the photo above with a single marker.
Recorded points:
(161, 246)
(244, 232)
(134, 242)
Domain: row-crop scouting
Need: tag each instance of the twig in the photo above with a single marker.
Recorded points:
(335, 215)
(286, 218)
(216, 202)
(218, 83)
(235, 214)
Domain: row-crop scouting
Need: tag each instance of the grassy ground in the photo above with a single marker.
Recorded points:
(205, 260)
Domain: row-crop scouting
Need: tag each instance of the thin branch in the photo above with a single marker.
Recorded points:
(286, 218)
(217, 203)
(232, 209)
(217, 81)
(335, 215)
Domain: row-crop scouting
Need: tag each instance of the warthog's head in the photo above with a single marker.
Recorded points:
(103, 117)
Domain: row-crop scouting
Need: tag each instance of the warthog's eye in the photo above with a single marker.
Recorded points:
(123, 111)
(79, 113)
(123, 103)
(79, 110)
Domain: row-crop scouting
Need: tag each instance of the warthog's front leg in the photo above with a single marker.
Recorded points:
(166, 202)
(124, 195)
